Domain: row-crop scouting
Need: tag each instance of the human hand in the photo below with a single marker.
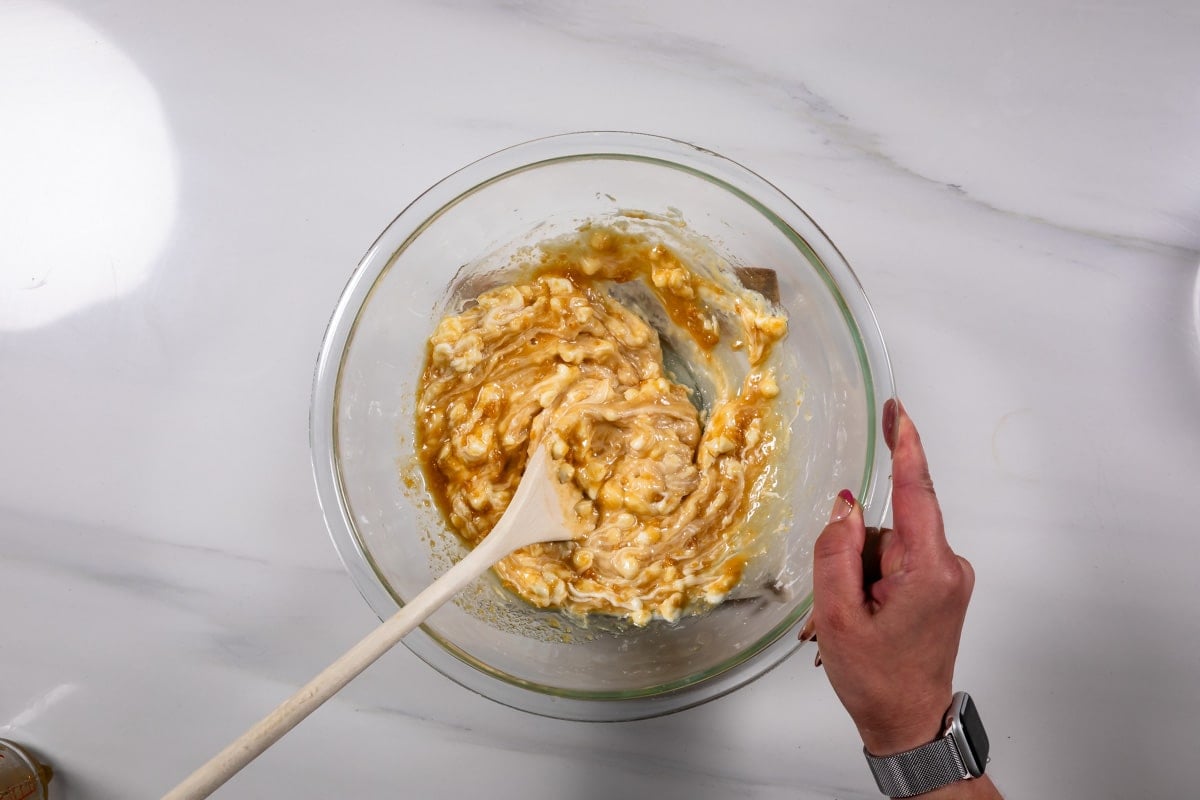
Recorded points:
(889, 647)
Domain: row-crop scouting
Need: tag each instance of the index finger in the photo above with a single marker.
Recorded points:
(916, 513)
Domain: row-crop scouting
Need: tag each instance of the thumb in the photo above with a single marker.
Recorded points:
(838, 594)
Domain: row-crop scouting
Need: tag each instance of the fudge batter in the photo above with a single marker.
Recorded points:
(564, 357)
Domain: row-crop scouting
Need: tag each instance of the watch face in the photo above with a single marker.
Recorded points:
(976, 736)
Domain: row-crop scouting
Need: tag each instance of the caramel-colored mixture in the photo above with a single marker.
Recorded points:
(556, 359)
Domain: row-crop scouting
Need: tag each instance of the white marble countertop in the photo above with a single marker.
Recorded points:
(184, 189)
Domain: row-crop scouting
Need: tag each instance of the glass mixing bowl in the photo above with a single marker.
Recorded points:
(393, 541)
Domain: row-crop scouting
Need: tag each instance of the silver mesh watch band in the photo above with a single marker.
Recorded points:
(920, 770)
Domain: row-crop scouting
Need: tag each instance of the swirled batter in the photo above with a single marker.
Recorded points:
(556, 358)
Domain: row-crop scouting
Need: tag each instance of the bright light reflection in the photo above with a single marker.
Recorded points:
(1196, 304)
(40, 706)
(87, 172)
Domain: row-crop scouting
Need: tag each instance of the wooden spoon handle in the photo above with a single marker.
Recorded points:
(225, 764)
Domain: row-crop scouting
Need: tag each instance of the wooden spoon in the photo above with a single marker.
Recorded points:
(538, 512)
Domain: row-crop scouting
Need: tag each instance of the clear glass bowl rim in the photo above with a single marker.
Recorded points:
(874, 491)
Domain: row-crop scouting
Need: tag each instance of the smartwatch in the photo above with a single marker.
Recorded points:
(960, 753)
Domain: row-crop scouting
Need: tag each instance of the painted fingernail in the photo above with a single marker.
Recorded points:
(817, 661)
(808, 630)
(889, 423)
(842, 506)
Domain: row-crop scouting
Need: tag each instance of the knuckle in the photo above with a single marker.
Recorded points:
(949, 576)
(954, 578)
(921, 480)
(968, 575)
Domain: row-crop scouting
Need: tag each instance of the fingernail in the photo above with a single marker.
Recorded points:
(842, 506)
(889, 423)
(809, 628)
(817, 661)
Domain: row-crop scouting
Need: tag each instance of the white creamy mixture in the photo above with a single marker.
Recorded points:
(555, 358)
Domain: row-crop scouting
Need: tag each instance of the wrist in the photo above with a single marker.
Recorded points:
(980, 788)
(915, 728)
(892, 741)
(957, 754)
